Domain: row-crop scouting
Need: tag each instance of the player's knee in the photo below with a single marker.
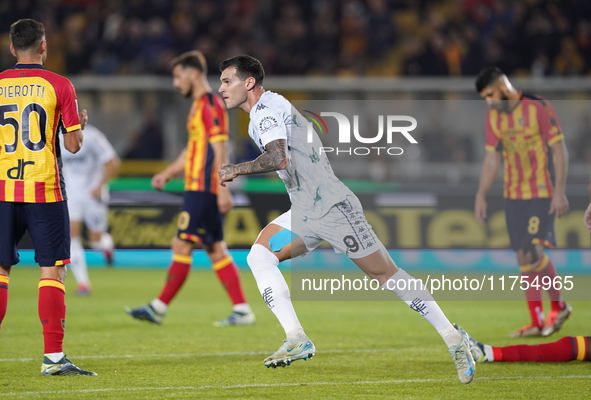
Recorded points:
(530, 250)
(260, 258)
(180, 246)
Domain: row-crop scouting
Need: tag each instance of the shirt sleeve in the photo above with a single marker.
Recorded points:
(69, 108)
(214, 117)
(271, 127)
(549, 125)
(492, 141)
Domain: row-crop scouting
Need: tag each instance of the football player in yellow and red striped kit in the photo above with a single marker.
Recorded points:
(568, 348)
(205, 201)
(526, 130)
(35, 106)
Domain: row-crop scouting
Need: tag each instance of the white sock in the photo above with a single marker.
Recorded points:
(450, 335)
(488, 352)
(78, 265)
(242, 308)
(159, 306)
(419, 299)
(274, 289)
(54, 357)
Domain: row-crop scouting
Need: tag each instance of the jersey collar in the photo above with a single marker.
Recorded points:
(28, 66)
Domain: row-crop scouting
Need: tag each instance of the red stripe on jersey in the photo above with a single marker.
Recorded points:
(510, 121)
(526, 112)
(19, 191)
(508, 172)
(2, 190)
(40, 192)
(519, 168)
(533, 161)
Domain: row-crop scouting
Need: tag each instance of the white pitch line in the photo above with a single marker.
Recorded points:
(292, 384)
(221, 354)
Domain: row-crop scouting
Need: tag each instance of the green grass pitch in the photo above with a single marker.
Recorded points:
(365, 350)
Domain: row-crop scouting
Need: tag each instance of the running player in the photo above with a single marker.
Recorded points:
(522, 127)
(325, 208)
(201, 219)
(568, 348)
(35, 105)
(87, 173)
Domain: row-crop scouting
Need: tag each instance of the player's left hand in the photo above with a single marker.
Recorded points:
(83, 115)
(559, 204)
(227, 173)
(96, 192)
(225, 203)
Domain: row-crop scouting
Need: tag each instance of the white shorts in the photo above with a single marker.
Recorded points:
(93, 212)
(344, 227)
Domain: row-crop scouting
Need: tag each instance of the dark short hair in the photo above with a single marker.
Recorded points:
(26, 33)
(191, 59)
(487, 76)
(246, 67)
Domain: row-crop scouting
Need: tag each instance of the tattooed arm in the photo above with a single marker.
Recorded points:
(273, 159)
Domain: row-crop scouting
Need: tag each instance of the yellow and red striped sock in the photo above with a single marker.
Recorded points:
(3, 297)
(533, 295)
(52, 313)
(546, 268)
(564, 349)
(228, 274)
(583, 350)
(177, 274)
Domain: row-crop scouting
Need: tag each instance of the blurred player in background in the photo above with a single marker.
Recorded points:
(35, 106)
(87, 173)
(522, 127)
(587, 215)
(324, 209)
(568, 348)
(201, 219)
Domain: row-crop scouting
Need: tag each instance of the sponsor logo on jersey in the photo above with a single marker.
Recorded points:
(260, 107)
(267, 124)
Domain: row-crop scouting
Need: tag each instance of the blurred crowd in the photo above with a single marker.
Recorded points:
(314, 37)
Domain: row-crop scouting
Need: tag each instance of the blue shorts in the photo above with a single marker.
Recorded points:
(200, 221)
(528, 222)
(49, 227)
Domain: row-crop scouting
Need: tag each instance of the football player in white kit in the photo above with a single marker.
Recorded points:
(86, 173)
(323, 209)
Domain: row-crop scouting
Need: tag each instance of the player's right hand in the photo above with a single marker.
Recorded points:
(159, 181)
(587, 217)
(480, 209)
(83, 115)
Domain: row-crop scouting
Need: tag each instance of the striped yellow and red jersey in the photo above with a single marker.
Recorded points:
(207, 123)
(35, 105)
(524, 135)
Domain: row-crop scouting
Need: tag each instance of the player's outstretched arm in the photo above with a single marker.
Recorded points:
(273, 159)
(73, 141)
(109, 170)
(220, 157)
(176, 167)
(83, 115)
(490, 168)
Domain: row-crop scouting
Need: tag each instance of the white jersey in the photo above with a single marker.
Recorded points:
(311, 184)
(84, 170)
